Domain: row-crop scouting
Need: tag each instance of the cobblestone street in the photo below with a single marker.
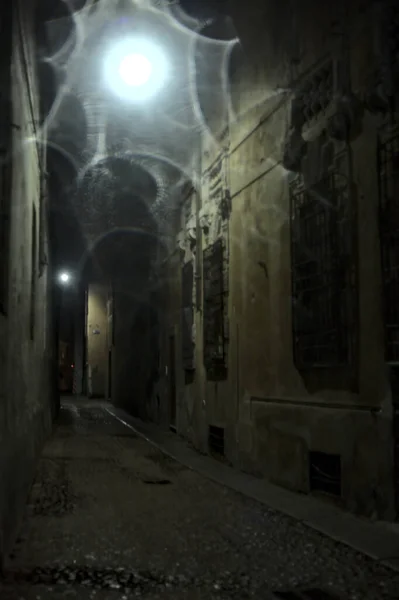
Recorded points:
(110, 517)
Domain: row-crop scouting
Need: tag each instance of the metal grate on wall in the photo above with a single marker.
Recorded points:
(388, 158)
(6, 29)
(388, 172)
(325, 473)
(216, 440)
(323, 272)
(213, 319)
(317, 92)
(187, 316)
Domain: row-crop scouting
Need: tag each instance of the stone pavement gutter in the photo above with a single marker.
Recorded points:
(376, 539)
(120, 509)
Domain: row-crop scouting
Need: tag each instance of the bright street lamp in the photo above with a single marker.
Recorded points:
(64, 278)
(135, 69)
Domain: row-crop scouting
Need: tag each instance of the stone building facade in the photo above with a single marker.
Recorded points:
(26, 344)
(279, 348)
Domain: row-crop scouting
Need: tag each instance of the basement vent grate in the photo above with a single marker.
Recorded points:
(216, 440)
(189, 376)
(325, 473)
(156, 481)
(312, 594)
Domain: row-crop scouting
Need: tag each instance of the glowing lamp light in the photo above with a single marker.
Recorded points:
(135, 69)
(64, 278)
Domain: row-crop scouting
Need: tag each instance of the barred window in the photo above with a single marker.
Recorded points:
(5, 191)
(317, 92)
(5, 148)
(43, 212)
(323, 273)
(33, 284)
(187, 316)
(389, 235)
(213, 321)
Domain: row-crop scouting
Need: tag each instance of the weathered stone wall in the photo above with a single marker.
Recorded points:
(27, 354)
(273, 411)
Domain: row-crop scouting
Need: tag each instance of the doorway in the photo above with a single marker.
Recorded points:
(172, 384)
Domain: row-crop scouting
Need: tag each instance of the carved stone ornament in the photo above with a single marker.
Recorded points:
(346, 120)
(225, 205)
(377, 100)
(191, 236)
(204, 220)
(294, 151)
(180, 240)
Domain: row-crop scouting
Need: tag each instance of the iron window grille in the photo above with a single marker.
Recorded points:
(323, 273)
(5, 190)
(216, 440)
(43, 206)
(325, 473)
(187, 316)
(213, 321)
(388, 169)
(388, 172)
(33, 285)
(5, 144)
(317, 92)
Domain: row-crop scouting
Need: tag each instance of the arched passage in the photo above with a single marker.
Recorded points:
(123, 299)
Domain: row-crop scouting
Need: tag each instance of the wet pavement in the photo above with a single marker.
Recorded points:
(111, 517)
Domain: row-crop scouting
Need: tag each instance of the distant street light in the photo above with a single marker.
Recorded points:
(135, 69)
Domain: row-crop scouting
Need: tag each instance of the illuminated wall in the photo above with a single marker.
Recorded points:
(97, 340)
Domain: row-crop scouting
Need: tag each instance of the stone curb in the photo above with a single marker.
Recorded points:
(379, 541)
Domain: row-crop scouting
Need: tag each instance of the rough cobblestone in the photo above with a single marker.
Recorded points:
(96, 528)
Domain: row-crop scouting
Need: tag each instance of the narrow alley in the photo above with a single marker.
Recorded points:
(111, 517)
(199, 299)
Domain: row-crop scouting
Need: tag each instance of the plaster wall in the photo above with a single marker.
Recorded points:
(273, 413)
(27, 358)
